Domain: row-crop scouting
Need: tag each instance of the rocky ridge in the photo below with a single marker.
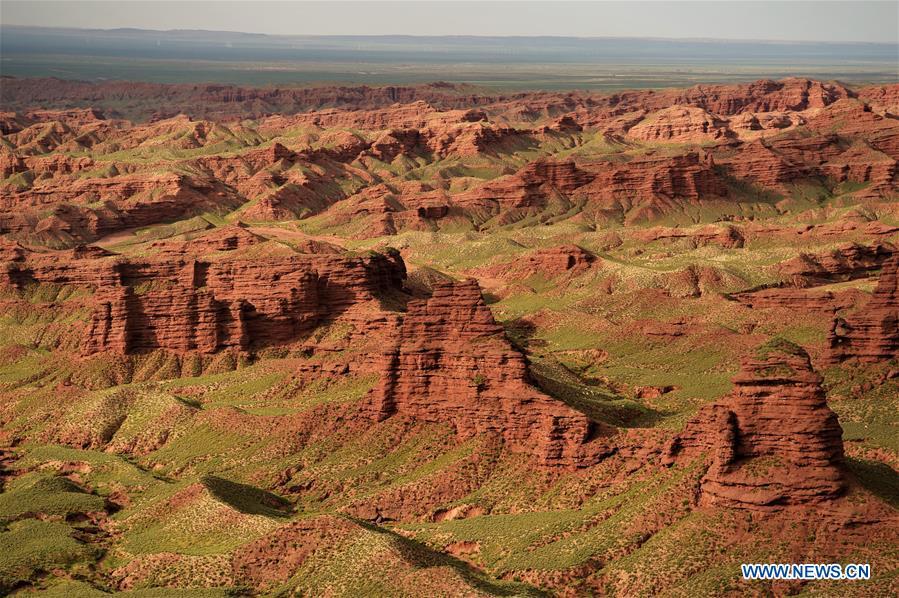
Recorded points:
(73, 176)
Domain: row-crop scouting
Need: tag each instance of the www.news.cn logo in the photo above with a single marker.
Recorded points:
(805, 571)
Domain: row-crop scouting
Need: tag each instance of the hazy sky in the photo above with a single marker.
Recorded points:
(847, 20)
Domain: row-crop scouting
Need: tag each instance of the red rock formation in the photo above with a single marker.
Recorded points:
(885, 140)
(756, 161)
(74, 117)
(551, 262)
(564, 124)
(727, 237)
(864, 164)
(393, 143)
(10, 163)
(10, 122)
(805, 149)
(881, 98)
(683, 124)
(648, 186)
(469, 139)
(871, 334)
(798, 299)
(762, 96)
(844, 263)
(530, 187)
(90, 208)
(451, 363)
(181, 301)
(61, 200)
(409, 115)
(849, 117)
(232, 102)
(750, 124)
(773, 442)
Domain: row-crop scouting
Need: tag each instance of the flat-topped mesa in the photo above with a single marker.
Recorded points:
(773, 441)
(186, 299)
(452, 364)
(870, 335)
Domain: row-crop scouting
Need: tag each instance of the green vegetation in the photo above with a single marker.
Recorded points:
(35, 494)
(192, 468)
(34, 547)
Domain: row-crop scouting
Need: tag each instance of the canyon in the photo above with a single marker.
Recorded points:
(350, 340)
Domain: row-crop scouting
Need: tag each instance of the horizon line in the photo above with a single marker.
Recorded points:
(474, 36)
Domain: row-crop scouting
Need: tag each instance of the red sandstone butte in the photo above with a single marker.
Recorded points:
(451, 363)
(773, 441)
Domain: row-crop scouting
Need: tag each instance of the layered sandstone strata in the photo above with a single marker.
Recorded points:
(451, 363)
(647, 186)
(773, 442)
(843, 263)
(681, 124)
(87, 209)
(208, 295)
(531, 187)
(872, 334)
(759, 163)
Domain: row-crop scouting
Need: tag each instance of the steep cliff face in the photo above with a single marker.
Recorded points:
(444, 361)
(451, 363)
(204, 307)
(872, 334)
(208, 295)
(773, 442)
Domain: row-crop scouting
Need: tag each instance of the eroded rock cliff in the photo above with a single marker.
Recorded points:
(872, 333)
(451, 363)
(773, 442)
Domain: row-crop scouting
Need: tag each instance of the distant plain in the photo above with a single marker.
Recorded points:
(511, 63)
